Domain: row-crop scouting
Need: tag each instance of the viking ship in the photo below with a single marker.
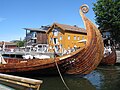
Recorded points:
(82, 61)
(109, 59)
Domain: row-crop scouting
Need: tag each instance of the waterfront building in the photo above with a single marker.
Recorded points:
(36, 36)
(63, 37)
(7, 46)
(36, 39)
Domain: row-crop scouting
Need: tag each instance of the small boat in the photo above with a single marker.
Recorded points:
(110, 58)
(82, 61)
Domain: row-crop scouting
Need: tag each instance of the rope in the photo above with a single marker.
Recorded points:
(59, 71)
(61, 75)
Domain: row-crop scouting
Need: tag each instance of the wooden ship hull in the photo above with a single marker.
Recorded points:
(31, 67)
(109, 59)
(82, 61)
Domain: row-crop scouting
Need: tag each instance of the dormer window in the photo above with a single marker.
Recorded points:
(55, 32)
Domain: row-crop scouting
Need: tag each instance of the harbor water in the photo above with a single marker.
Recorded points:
(103, 78)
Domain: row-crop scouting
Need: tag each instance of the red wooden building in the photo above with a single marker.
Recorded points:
(7, 46)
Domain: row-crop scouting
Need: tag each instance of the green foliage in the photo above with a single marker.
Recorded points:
(108, 16)
(20, 43)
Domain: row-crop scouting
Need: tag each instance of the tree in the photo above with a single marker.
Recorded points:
(107, 14)
(20, 43)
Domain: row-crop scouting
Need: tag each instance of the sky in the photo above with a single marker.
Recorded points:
(18, 14)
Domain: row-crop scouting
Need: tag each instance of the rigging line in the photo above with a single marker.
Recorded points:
(61, 76)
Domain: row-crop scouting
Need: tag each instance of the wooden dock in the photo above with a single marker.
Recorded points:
(20, 82)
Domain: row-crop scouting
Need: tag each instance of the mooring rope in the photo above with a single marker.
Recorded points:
(61, 76)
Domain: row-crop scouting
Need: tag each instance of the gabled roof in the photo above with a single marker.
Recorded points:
(68, 28)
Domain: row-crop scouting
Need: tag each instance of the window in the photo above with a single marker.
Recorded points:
(33, 40)
(34, 34)
(82, 37)
(55, 32)
(68, 37)
(56, 48)
(31, 35)
(74, 37)
(60, 45)
(78, 38)
(68, 47)
(60, 37)
(50, 39)
(55, 41)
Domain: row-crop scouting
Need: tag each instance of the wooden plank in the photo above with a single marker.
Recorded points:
(25, 82)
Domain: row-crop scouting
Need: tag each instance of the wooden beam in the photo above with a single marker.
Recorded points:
(22, 81)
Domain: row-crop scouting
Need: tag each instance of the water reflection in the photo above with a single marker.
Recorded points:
(103, 78)
(73, 82)
(111, 77)
(95, 78)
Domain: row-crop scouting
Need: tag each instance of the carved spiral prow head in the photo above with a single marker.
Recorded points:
(84, 8)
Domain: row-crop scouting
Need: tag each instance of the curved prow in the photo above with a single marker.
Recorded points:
(90, 27)
(88, 58)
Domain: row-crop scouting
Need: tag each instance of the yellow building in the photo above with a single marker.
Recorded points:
(64, 37)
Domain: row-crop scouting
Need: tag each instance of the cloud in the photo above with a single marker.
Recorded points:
(2, 19)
